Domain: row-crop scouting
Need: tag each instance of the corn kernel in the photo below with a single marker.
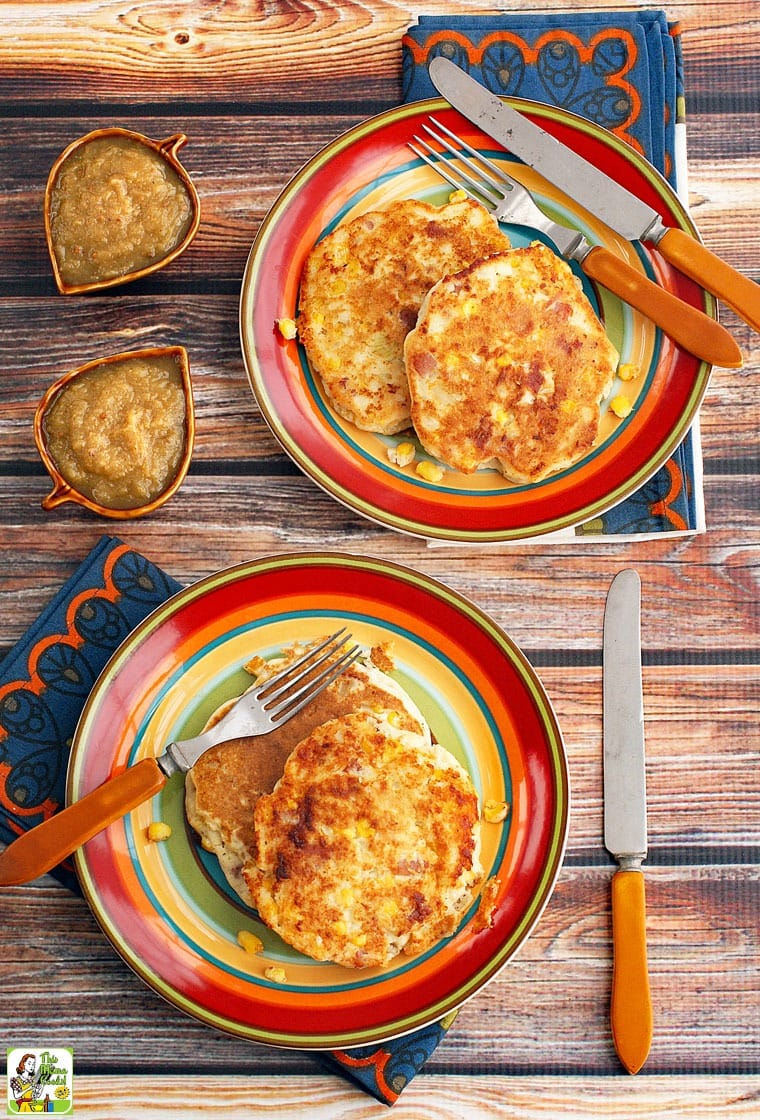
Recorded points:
(469, 307)
(340, 927)
(359, 939)
(364, 828)
(458, 196)
(287, 328)
(402, 455)
(500, 415)
(621, 406)
(339, 286)
(394, 719)
(346, 896)
(349, 833)
(255, 665)
(431, 472)
(158, 830)
(275, 974)
(250, 942)
(627, 371)
(495, 811)
(568, 405)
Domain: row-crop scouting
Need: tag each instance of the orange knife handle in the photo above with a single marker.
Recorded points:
(691, 257)
(42, 847)
(686, 325)
(631, 1008)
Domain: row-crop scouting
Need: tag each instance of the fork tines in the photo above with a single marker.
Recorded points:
(490, 185)
(297, 684)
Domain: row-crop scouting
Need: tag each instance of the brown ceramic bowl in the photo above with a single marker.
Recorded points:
(65, 491)
(112, 228)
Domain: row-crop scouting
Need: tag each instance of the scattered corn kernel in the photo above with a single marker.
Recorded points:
(158, 830)
(458, 196)
(627, 371)
(621, 406)
(359, 939)
(431, 472)
(495, 811)
(250, 942)
(402, 454)
(275, 974)
(364, 828)
(287, 328)
(469, 307)
(340, 927)
(255, 665)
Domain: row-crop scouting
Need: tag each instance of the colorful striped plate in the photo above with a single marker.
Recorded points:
(371, 166)
(167, 909)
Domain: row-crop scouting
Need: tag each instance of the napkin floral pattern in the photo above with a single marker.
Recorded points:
(623, 71)
(47, 676)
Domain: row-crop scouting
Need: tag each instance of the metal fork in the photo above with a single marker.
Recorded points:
(510, 201)
(259, 710)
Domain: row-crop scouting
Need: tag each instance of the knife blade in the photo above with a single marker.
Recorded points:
(597, 192)
(625, 819)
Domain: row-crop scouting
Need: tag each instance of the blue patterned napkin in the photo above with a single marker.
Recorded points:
(622, 70)
(44, 683)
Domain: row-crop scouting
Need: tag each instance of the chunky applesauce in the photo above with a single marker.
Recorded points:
(117, 432)
(116, 206)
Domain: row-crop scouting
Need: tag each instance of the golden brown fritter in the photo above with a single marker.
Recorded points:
(508, 365)
(361, 289)
(369, 844)
(225, 783)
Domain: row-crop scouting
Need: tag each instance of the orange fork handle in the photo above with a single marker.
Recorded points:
(631, 1006)
(690, 328)
(692, 258)
(44, 846)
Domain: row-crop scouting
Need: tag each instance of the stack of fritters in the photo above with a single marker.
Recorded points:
(361, 289)
(352, 833)
(224, 785)
(425, 316)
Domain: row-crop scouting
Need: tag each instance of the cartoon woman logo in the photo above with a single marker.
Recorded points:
(27, 1086)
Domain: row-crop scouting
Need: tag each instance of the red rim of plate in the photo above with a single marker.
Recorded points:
(373, 152)
(529, 858)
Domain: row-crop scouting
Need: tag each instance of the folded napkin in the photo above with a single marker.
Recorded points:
(44, 683)
(622, 70)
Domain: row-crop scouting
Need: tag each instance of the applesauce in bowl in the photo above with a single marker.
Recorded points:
(116, 434)
(117, 206)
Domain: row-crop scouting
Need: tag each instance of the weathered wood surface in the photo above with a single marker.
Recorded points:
(258, 90)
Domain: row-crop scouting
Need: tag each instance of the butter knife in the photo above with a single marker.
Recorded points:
(597, 192)
(625, 819)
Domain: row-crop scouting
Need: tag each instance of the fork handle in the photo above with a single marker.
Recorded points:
(44, 846)
(690, 328)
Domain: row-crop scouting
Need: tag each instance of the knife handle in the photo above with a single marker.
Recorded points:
(691, 257)
(45, 845)
(690, 328)
(631, 1007)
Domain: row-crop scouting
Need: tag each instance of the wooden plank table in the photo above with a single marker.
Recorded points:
(259, 89)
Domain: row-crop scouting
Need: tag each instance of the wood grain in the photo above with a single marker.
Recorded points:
(259, 89)
(430, 1097)
(703, 957)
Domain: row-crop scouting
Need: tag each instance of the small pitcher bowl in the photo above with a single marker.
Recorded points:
(64, 491)
(167, 150)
